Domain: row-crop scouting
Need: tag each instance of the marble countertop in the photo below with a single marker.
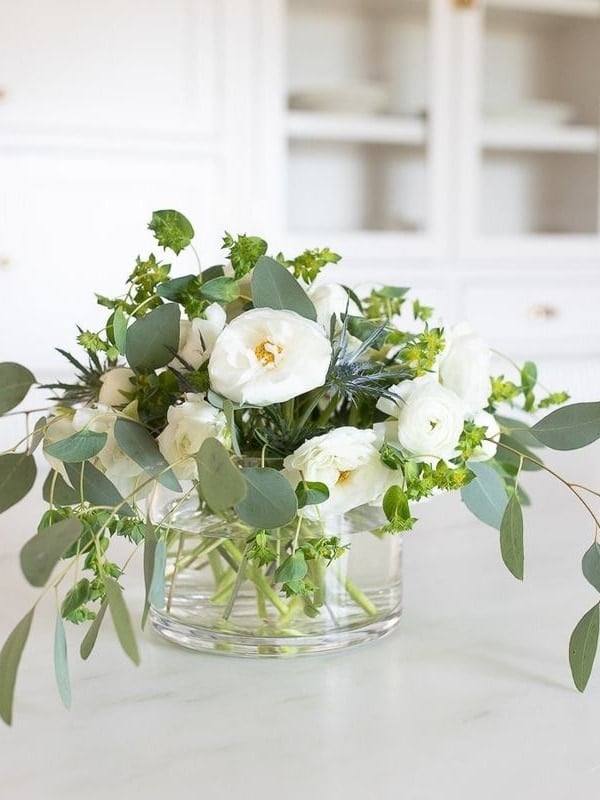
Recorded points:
(471, 697)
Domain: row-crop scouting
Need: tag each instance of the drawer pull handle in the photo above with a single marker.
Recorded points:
(4, 262)
(3, 93)
(465, 3)
(543, 312)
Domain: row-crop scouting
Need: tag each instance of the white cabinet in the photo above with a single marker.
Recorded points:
(451, 144)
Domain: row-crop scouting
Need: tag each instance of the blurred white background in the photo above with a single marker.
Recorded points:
(451, 145)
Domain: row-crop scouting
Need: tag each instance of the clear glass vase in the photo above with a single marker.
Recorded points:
(215, 599)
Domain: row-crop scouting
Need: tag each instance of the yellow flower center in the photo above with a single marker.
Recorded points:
(344, 475)
(266, 352)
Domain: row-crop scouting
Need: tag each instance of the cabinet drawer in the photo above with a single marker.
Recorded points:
(549, 317)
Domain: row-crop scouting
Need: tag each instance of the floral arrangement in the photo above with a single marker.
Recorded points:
(270, 402)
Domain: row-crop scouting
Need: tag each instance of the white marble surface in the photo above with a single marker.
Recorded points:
(471, 697)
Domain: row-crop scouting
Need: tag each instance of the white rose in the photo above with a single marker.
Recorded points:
(268, 356)
(487, 449)
(347, 462)
(188, 426)
(331, 300)
(114, 384)
(464, 367)
(429, 419)
(99, 418)
(198, 336)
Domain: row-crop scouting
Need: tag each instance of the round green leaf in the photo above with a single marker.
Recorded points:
(311, 493)
(270, 502)
(15, 382)
(583, 646)
(152, 341)
(221, 483)
(96, 487)
(81, 446)
(17, 476)
(43, 551)
(274, 287)
(485, 496)
(58, 492)
(221, 290)
(570, 427)
(294, 568)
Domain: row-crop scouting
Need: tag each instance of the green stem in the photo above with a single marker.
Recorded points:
(357, 595)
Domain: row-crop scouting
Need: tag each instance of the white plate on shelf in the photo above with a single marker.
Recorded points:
(532, 112)
(368, 97)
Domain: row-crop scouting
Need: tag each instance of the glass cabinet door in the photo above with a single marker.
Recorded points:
(530, 85)
(361, 97)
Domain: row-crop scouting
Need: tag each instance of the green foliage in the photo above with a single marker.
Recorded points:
(156, 595)
(590, 565)
(171, 230)
(150, 542)
(391, 456)
(58, 492)
(43, 551)
(486, 496)
(96, 488)
(155, 394)
(15, 383)
(274, 287)
(583, 645)
(116, 330)
(141, 447)
(397, 511)
(121, 620)
(419, 352)
(221, 290)
(260, 551)
(511, 537)
(88, 380)
(243, 252)
(554, 399)
(220, 483)
(81, 446)
(89, 640)
(311, 493)
(294, 568)
(72, 607)
(308, 264)
(385, 303)
(10, 658)
(270, 501)
(471, 440)
(145, 278)
(61, 664)
(152, 341)
(424, 313)
(17, 476)
(503, 391)
(569, 428)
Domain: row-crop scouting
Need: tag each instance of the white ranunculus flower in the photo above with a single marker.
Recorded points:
(487, 450)
(197, 337)
(347, 461)
(429, 419)
(268, 356)
(464, 367)
(115, 383)
(188, 426)
(331, 299)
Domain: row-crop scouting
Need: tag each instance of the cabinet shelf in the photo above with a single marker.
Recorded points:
(571, 8)
(336, 127)
(538, 138)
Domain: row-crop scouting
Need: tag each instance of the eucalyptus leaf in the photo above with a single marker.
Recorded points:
(485, 496)
(174, 288)
(43, 551)
(17, 476)
(157, 587)
(58, 492)
(96, 487)
(81, 446)
(10, 658)
(139, 444)
(270, 501)
(228, 410)
(274, 287)
(590, 565)
(153, 340)
(61, 664)
(171, 230)
(518, 431)
(89, 640)
(583, 645)
(150, 542)
(221, 483)
(121, 619)
(294, 568)
(15, 382)
(76, 597)
(37, 435)
(311, 493)
(569, 427)
(213, 272)
(511, 538)
(395, 504)
(221, 290)
(119, 325)
(507, 456)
